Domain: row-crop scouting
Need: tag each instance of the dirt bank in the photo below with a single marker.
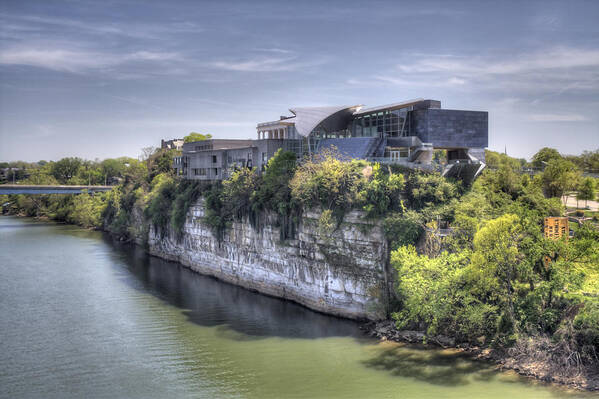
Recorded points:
(538, 366)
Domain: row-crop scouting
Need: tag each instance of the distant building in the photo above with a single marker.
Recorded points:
(403, 133)
(174, 144)
(556, 227)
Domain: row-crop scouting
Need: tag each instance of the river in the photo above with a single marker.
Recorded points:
(83, 316)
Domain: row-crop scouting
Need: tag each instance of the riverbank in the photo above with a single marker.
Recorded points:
(535, 364)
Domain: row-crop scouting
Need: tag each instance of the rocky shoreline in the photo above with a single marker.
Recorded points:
(531, 368)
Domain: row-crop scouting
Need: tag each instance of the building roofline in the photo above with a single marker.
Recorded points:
(389, 107)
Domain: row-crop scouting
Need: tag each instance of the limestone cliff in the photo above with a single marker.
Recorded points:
(341, 273)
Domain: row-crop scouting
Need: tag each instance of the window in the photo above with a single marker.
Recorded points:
(215, 172)
(214, 159)
(264, 158)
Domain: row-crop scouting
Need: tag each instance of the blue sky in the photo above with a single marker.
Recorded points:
(101, 79)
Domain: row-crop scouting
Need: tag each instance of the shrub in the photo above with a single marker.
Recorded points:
(187, 193)
(274, 192)
(426, 189)
(402, 229)
(329, 183)
(159, 207)
(382, 193)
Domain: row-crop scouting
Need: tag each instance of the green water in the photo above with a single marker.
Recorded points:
(81, 316)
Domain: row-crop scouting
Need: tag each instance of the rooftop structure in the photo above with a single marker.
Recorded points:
(405, 133)
(174, 144)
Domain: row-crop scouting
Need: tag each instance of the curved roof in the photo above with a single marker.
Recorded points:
(331, 118)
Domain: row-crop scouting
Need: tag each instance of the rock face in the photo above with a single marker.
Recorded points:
(343, 272)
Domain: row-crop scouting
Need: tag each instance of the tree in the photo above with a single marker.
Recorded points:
(193, 137)
(498, 265)
(559, 177)
(543, 156)
(111, 168)
(586, 190)
(495, 159)
(66, 168)
(274, 192)
(330, 183)
(161, 161)
(428, 189)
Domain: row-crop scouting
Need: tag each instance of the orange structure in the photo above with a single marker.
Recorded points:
(556, 227)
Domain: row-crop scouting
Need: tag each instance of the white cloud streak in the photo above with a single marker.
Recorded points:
(77, 61)
(546, 71)
(558, 118)
(266, 64)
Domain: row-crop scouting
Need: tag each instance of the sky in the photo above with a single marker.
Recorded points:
(98, 79)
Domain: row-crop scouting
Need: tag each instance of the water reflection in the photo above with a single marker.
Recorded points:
(451, 368)
(209, 302)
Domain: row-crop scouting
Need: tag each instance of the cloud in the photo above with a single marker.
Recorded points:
(558, 118)
(79, 61)
(34, 23)
(182, 123)
(549, 72)
(266, 64)
(557, 58)
(275, 50)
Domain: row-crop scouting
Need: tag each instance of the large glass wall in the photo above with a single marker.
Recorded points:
(384, 123)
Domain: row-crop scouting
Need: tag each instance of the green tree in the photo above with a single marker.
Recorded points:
(382, 193)
(66, 168)
(330, 183)
(498, 265)
(193, 137)
(543, 156)
(274, 192)
(426, 189)
(402, 229)
(559, 177)
(237, 193)
(586, 190)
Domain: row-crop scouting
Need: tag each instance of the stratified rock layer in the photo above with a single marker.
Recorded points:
(341, 273)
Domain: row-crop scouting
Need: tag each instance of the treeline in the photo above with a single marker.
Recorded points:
(84, 210)
(588, 161)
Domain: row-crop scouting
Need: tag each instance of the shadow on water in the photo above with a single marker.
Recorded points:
(432, 366)
(209, 302)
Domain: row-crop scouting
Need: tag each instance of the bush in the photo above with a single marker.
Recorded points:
(187, 193)
(403, 229)
(382, 193)
(586, 326)
(426, 189)
(87, 210)
(274, 192)
(159, 207)
(329, 183)
(215, 217)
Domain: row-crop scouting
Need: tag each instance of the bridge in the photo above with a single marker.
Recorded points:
(39, 189)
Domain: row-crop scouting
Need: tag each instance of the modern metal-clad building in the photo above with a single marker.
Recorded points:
(406, 132)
